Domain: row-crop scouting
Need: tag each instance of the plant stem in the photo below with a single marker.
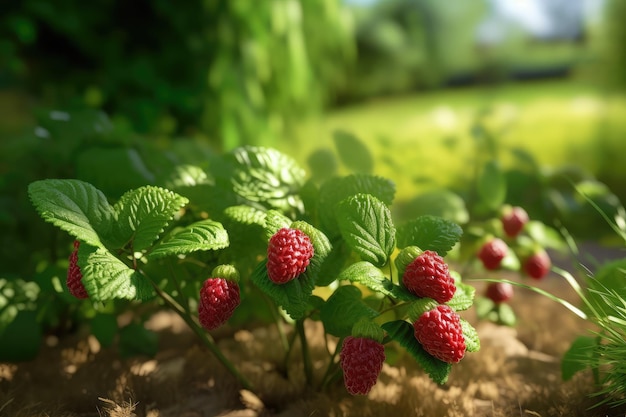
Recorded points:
(332, 366)
(306, 357)
(203, 335)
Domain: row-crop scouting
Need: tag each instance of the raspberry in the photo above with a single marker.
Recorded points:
(288, 255)
(537, 265)
(74, 276)
(428, 276)
(514, 220)
(492, 253)
(218, 299)
(361, 360)
(439, 331)
(499, 292)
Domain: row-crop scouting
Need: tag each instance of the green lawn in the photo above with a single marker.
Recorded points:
(425, 139)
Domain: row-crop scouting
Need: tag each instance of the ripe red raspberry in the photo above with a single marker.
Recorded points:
(288, 255)
(492, 253)
(514, 220)
(361, 360)
(428, 276)
(74, 276)
(499, 292)
(439, 331)
(218, 299)
(537, 265)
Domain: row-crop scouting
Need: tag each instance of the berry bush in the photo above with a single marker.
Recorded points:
(262, 244)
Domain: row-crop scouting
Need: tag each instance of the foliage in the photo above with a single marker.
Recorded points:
(240, 71)
(155, 246)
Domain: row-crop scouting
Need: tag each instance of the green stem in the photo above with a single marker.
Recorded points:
(306, 356)
(332, 366)
(279, 325)
(203, 335)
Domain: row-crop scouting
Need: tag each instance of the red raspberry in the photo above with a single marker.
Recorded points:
(428, 276)
(492, 253)
(439, 331)
(74, 276)
(514, 220)
(361, 360)
(218, 299)
(499, 292)
(288, 255)
(537, 265)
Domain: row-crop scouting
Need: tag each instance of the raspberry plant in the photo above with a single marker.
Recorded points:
(208, 243)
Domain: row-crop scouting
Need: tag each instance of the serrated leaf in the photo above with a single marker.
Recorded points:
(492, 185)
(373, 278)
(74, 206)
(472, 342)
(463, 297)
(106, 277)
(353, 152)
(142, 215)
(366, 226)
(579, 356)
(267, 177)
(429, 233)
(202, 235)
(334, 190)
(275, 220)
(343, 309)
(293, 296)
(245, 215)
(403, 333)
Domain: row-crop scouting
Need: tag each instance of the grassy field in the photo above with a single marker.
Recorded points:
(425, 140)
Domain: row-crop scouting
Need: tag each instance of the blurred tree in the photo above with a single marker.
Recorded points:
(240, 70)
(615, 44)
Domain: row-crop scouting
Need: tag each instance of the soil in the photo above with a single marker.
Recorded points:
(516, 373)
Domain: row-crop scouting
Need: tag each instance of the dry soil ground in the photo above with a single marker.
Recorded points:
(516, 373)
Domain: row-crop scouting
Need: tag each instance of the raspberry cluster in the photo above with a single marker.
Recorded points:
(437, 329)
(75, 276)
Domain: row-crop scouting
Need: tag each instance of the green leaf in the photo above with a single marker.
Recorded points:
(353, 152)
(373, 278)
(21, 339)
(136, 340)
(492, 185)
(104, 328)
(440, 203)
(429, 233)
(472, 342)
(202, 235)
(544, 235)
(343, 309)
(293, 296)
(365, 224)
(74, 206)
(334, 190)
(579, 356)
(275, 220)
(106, 277)
(267, 177)
(505, 315)
(403, 333)
(142, 214)
(246, 215)
(463, 297)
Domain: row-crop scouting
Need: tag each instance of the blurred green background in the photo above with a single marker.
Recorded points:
(430, 87)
